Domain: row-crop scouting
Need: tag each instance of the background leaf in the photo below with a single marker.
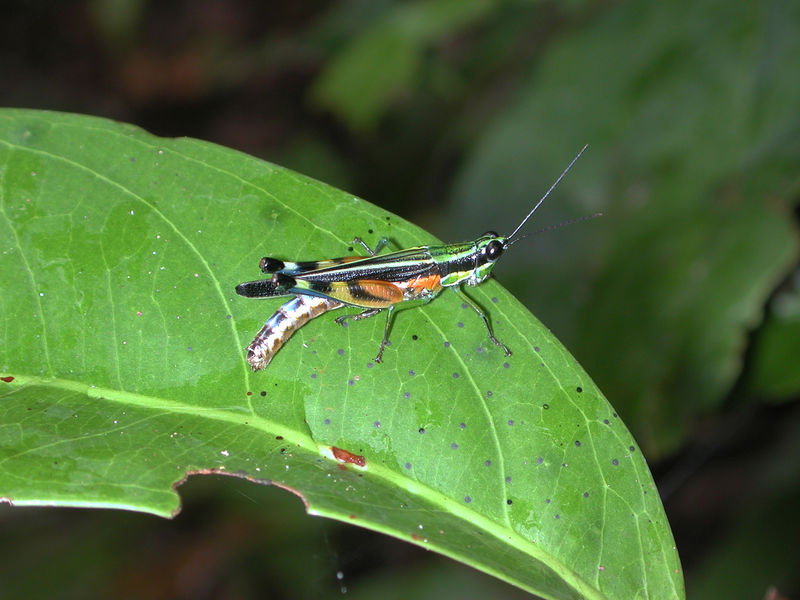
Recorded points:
(124, 370)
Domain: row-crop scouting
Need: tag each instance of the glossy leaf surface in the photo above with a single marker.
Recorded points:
(122, 357)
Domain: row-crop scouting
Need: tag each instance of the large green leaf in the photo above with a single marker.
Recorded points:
(123, 370)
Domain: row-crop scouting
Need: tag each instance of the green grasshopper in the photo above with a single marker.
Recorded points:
(374, 283)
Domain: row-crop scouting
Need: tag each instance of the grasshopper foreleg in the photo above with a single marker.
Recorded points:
(486, 322)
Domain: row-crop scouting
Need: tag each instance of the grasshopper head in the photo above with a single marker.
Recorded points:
(488, 249)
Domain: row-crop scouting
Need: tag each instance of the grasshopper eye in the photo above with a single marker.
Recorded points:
(493, 250)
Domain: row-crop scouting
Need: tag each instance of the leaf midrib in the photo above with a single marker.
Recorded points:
(499, 531)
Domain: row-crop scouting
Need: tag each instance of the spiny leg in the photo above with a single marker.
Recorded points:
(386, 330)
(382, 243)
(371, 312)
(483, 316)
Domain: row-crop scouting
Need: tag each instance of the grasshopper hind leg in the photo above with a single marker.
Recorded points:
(371, 313)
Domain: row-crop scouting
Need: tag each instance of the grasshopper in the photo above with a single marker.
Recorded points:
(374, 283)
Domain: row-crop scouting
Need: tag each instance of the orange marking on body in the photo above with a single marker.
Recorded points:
(382, 289)
(431, 283)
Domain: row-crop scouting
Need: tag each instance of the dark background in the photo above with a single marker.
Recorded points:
(682, 302)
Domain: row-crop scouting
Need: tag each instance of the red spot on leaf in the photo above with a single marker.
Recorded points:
(348, 457)
(7, 379)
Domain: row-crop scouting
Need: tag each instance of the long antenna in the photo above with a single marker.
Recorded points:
(556, 226)
(552, 187)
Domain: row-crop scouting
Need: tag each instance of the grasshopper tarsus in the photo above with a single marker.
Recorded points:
(500, 344)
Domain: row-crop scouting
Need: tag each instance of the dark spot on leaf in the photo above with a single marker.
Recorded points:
(313, 376)
(511, 422)
(454, 446)
(327, 421)
(558, 516)
(547, 501)
(377, 424)
(8, 379)
(369, 365)
(463, 425)
(494, 299)
(506, 365)
(455, 375)
(577, 444)
(447, 344)
(565, 465)
(370, 231)
(580, 389)
(340, 352)
(467, 499)
(249, 393)
(415, 337)
(509, 502)
(632, 448)
(585, 494)
(407, 395)
(283, 450)
(408, 465)
(421, 430)
(508, 479)
(489, 393)
(278, 437)
(488, 463)
(263, 394)
(536, 348)
(606, 421)
(545, 406)
(615, 462)
(539, 460)
(464, 305)
(460, 324)
(412, 373)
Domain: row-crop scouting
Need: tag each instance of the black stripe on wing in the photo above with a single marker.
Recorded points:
(395, 266)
